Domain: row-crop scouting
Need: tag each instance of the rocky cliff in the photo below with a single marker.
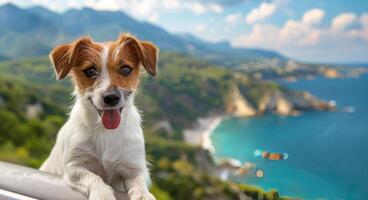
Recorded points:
(238, 105)
(278, 101)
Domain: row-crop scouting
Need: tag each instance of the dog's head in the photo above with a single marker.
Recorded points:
(105, 75)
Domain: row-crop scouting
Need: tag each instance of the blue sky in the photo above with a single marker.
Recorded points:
(308, 30)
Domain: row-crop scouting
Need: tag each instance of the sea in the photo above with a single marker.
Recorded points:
(327, 151)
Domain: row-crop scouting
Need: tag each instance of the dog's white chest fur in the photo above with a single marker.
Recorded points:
(114, 155)
(114, 149)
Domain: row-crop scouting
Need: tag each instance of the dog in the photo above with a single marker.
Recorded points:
(101, 146)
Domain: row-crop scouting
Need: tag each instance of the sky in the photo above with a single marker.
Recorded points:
(331, 31)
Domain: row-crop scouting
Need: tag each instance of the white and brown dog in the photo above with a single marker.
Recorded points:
(101, 146)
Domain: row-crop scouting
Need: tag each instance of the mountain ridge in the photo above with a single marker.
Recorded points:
(39, 29)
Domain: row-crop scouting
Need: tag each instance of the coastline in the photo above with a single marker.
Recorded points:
(278, 103)
(200, 134)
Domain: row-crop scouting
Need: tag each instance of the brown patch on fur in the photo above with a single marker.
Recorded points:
(89, 55)
(128, 50)
(75, 58)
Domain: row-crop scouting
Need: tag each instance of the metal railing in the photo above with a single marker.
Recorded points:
(23, 183)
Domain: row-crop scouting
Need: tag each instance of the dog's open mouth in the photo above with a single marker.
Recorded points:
(110, 117)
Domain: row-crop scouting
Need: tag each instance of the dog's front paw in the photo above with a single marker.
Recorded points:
(102, 194)
(138, 193)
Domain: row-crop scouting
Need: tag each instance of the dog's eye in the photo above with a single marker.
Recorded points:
(125, 70)
(91, 72)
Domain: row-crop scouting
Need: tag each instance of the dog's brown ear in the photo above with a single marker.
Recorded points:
(60, 58)
(63, 57)
(147, 52)
(149, 58)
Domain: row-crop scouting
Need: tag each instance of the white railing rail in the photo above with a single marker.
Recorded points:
(17, 181)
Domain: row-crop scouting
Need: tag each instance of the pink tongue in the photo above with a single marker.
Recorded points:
(111, 118)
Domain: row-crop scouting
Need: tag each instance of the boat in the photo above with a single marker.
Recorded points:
(270, 155)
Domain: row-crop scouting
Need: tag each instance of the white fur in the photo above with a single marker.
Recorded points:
(95, 160)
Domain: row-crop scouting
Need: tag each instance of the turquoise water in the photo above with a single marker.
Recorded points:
(328, 151)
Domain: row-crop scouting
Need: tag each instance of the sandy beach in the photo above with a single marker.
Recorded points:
(200, 134)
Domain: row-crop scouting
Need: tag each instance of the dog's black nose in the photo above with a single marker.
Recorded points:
(112, 99)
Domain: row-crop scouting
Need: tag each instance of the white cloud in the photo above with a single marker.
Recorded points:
(363, 32)
(196, 7)
(147, 8)
(304, 33)
(342, 21)
(313, 16)
(298, 33)
(153, 18)
(364, 20)
(171, 4)
(98, 5)
(260, 36)
(200, 8)
(292, 33)
(312, 38)
(217, 8)
(264, 11)
(233, 18)
(201, 28)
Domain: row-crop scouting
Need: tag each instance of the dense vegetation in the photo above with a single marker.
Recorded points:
(33, 106)
(28, 138)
